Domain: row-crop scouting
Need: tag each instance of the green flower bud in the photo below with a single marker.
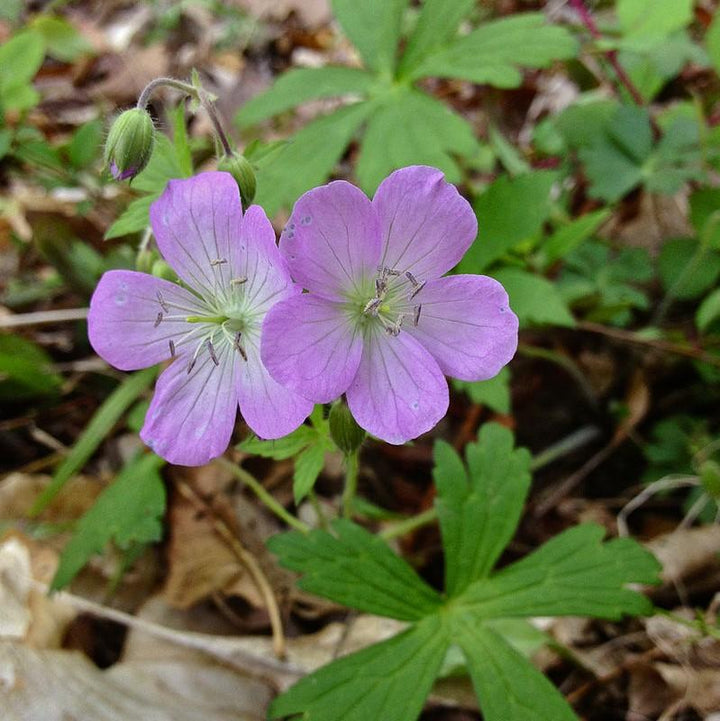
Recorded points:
(345, 432)
(239, 167)
(145, 259)
(160, 269)
(130, 143)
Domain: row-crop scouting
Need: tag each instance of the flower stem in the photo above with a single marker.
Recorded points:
(194, 92)
(351, 482)
(409, 524)
(611, 55)
(257, 488)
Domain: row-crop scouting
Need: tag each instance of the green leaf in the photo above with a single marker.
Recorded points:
(134, 218)
(308, 466)
(180, 141)
(645, 23)
(62, 40)
(385, 682)
(308, 158)
(102, 422)
(129, 511)
(687, 269)
(573, 574)
(712, 41)
(479, 509)
(493, 393)
(614, 162)
(509, 211)
(374, 29)
(494, 52)
(84, 147)
(25, 370)
(567, 238)
(508, 687)
(709, 311)
(412, 128)
(300, 85)
(534, 299)
(438, 23)
(583, 122)
(357, 569)
(20, 59)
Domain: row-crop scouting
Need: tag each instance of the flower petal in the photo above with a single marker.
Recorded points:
(310, 345)
(192, 414)
(123, 322)
(332, 240)
(196, 221)
(256, 257)
(270, 410)
(467, 325)
(426, 224)
(399, 392)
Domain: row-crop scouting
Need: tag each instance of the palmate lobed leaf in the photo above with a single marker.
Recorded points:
(495, 52)
(573, 574)
(409, 127)
(355, 568)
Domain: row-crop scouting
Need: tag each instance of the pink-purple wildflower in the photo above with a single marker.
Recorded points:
(209, 324)
(378, 322)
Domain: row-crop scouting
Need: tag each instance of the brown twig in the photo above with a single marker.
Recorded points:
(246, 559)
(629, 336)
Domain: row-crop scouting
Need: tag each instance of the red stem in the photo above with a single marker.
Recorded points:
(611, 55)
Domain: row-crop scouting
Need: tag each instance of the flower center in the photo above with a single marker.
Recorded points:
(226, 320)
(393, 302)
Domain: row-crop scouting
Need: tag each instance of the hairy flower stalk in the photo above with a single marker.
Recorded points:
(209, 325)
(379, 323)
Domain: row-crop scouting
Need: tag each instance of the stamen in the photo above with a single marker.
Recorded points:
(238, 281)
(416, 315)
(191, 364)
(211, 351)
(171, 343)
(418, 288)
(413, 280)
(238, 347)
(158, 319)
(372, 306)
(380, 287)
(218, 261)
(391, 271)
(162, 302)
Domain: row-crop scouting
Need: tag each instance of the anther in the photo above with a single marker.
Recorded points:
(238, 281)
(413, 280)
(162, 302)
(218, 261)
(191, 364)
(372, 306)
(211, 351)
(380, 286)
(158, 319)
(418, 288)
(416, 314)
(171, 343)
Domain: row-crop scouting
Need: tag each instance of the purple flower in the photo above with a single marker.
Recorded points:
(231, 273)
(379, 323)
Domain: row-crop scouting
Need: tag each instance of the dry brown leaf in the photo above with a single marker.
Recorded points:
(699, 688)
(127, 75)
(46, 685)
(687, 552)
